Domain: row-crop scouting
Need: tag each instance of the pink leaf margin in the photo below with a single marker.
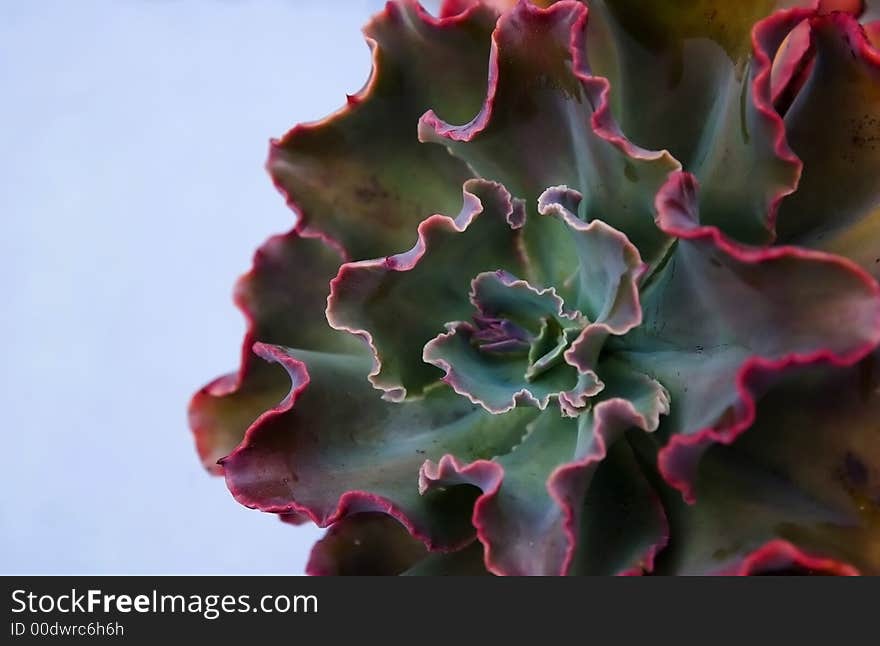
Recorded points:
(229, 384)
(472, 208)
(350, 502)
(566, 486)
(678, 460)
(780, 555)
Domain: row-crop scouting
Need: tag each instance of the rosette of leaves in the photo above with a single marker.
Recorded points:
(585, 288)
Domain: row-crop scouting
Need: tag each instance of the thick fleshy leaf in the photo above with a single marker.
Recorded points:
(401, 302)
(651, 38)
(420, 480)
(498, 384)
(507, 356)
(705, 73)
(605, 284)
(519, 524)
(623, 524)
(807, 473)
(529, 514)
(499, 294)
(361, 175)
(604, 290)
(282, 298)
(842, 155)
(546, 122)
(333, 448)
(717, 310)
(608, 273)
(365, 544)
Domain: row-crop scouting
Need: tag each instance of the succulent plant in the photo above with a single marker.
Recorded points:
(624, 318)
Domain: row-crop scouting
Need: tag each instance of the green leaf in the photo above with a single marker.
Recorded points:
(361, 175)
(283, 298)
(623, 523)
(334, 448)
(367, 544)
(834, 127)
(401, 302)
(709, 94)
(529, 515)
(477, 357)
(718, 310)
(545, 122)
(806, 472)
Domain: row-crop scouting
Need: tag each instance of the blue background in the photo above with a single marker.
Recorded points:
(132, 195)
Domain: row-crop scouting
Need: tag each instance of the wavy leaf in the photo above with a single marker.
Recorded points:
(842, 157)
(367, 544)
(705, 73)
(546, 122)
(608, 273)
(755, 308)
(334, 448)
(513, 352)
(807, 473)
(360, 174)
(401, 302)
(529, 514)
(623, 524)
(282, 297)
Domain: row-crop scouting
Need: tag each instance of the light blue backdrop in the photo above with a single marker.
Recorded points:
(132, 194)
